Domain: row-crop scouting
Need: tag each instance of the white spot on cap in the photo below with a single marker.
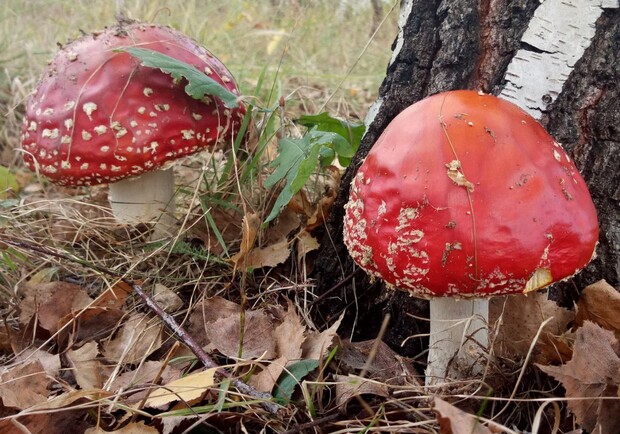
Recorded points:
(115, 168)
(89, 108)
(48, 111)
(100, 129)
(141, 110)
(187, 134)
(196, 116)
(84, 166)
(208, 70)
(65, 140)
(52, 134)
(68, 123)
(133, 124)
(86, 135)
(557, 155)
(147, 91)
(69, 105)
(32, 126)
(105, 148)
(103, 166)
(65, 164)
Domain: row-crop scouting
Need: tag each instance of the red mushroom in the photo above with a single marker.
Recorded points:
(99, 116)
(466, 196)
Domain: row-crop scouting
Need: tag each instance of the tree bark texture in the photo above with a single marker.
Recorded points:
(469, 44)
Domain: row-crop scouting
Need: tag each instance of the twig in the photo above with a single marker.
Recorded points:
(168, 319)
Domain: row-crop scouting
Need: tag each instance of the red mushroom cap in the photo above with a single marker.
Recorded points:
(99, 116)
(467, 195)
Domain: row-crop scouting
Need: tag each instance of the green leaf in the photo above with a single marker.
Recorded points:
(198, 83)
(291, 377)
(296, 160)
(7, 182)
(351, 131)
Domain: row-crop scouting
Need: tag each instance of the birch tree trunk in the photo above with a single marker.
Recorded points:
(558, 59)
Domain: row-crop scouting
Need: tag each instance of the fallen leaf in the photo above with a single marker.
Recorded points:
(50, 302)
(224, 335)
(113, 297)
(189, 388)
(228, 223)
(206, 312)
(24, 385)
(453, 420)
(517, 320)
(317, 344)
(139, 382)
(167, 299)
(289, 337)
(386, 366)
(269, 256)
(87, 370)
(138, 337)
(89, 324)
(599, 303)
(306, 243)
(592, 373)
(66, 421)
(350, 386)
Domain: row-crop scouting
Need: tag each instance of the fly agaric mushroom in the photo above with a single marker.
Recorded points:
(465, 196)
(99, 116)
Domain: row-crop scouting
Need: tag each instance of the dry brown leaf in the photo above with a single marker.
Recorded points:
(90, 324)
(269, 256)
(386, 366)
(88, 371)
(131, 428)
(50, 362)
(289, 337)
(206, 312)
(317, 344)
(66, 421)
(306, 243)
(287, 222)
(258, 340)
(518, 319)
(139, 382)
(453, 420)
(188, 389)
(24, 385)
(114, 297)
(50, 302)
(228, 223)
(167, 299)
(349, 386)
(599, 303)
(593, 372)
(138, 337)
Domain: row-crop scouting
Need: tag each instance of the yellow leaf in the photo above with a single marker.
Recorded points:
(188, 388)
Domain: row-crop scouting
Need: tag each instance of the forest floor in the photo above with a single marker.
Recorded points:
(82, 352)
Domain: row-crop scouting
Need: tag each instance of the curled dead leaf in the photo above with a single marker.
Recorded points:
(599, 303)
(517, 320)
(592, 374)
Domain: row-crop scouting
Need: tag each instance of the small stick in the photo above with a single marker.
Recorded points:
(168, 319)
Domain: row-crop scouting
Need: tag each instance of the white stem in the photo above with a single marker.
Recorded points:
(459, 338)
(148, 198)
